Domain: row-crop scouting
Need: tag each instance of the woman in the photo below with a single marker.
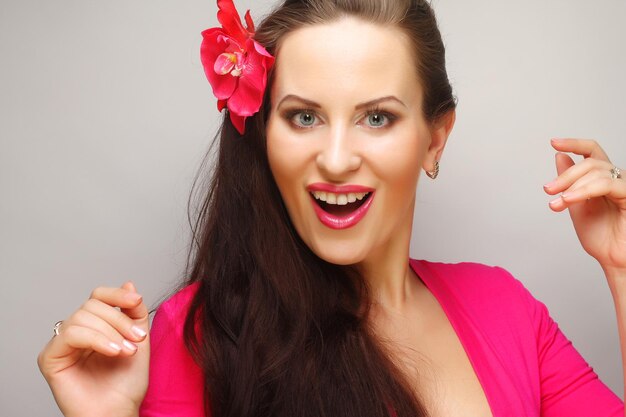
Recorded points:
(301, 299)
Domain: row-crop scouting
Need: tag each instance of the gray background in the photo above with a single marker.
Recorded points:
(105, 115)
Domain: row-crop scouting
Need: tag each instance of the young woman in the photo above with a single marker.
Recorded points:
(302, 299)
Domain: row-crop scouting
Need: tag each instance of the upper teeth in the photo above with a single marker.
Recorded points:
(339, 199)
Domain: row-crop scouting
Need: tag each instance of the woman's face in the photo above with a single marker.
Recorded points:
(346, 138)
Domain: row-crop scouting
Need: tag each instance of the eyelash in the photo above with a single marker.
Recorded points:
(391, 118)
(290, 114)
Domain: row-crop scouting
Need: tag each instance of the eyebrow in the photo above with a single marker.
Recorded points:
(359, 106)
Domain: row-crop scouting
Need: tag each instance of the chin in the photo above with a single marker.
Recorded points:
(344, 253)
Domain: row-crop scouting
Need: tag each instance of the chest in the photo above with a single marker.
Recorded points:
(435, 362)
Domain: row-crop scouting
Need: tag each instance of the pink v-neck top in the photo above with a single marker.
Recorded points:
(525, 364)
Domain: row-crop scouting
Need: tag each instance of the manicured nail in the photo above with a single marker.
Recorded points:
(129, 345)
(139, 332)
(115, 346)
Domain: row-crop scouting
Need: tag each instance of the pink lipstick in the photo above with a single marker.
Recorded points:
(341, 221)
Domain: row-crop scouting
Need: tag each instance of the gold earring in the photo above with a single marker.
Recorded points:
(433, 174)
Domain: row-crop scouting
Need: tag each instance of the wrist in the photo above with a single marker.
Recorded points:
(616, 278)
(613, 273)
(133, 413)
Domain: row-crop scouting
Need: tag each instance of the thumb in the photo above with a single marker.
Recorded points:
(129, 286)
(563, 162)
(139, 311)
(578, 212)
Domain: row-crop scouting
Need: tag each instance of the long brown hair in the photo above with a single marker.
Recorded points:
(277, 330)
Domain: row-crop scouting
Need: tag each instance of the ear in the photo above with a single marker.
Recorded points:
(439, 132)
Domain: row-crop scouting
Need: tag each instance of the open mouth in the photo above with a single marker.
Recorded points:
(340, 205)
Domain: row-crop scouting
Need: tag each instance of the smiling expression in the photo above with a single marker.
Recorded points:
(346, 138)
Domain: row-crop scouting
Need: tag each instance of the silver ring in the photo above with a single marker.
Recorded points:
(56, 327)
(616, 173)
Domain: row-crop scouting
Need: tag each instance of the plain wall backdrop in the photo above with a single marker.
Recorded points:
(105, 115)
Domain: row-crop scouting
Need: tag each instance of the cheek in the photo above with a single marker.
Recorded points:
(398, 165)
(286, 160)
(274, 154)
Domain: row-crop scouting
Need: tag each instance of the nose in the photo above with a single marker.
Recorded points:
(339, 156)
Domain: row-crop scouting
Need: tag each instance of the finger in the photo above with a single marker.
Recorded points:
(124, 297)
(87, 319)
(585, 147)
(117, 323)
(138, 311)
(598, 188)
(79, 337)
(117, 297)
(575, 172)
(563, 162)
(130, 286)
(559, 204)
(132, 320)
(62, 351)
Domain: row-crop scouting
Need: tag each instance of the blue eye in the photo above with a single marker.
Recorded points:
(302, 118)
(305, 119)
(377, 119)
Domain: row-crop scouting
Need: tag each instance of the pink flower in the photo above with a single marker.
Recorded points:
(235, 64)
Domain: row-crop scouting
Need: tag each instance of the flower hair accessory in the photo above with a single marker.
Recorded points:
(235, 64)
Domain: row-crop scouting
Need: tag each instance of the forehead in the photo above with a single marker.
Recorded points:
(346, 57)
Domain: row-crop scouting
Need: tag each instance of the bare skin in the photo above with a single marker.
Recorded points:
(98, 364)
(345, 144)
(341, 146)
(431, 354)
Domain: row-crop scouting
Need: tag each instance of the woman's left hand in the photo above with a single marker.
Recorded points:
(595, 198)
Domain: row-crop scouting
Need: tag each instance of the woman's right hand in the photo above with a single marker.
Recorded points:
(98, 364)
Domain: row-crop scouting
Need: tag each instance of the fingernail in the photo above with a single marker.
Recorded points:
(550, 184)
(139, 332)
(115, 346)
(129, 345)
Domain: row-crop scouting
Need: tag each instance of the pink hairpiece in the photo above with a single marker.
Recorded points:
(235, 64)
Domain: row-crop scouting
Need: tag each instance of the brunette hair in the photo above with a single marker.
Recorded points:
(277, 330)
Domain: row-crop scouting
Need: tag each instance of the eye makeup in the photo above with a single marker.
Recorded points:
(294, 116)
(378, 111)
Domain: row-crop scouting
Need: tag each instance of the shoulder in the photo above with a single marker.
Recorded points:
(176, 381)
(489, 300)
(469, 276)
(481, 288)
(179, 302)
(171, 314)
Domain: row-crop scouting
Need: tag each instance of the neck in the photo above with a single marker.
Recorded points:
(391, 280)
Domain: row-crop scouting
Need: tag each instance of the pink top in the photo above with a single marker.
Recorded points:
(525, 364)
